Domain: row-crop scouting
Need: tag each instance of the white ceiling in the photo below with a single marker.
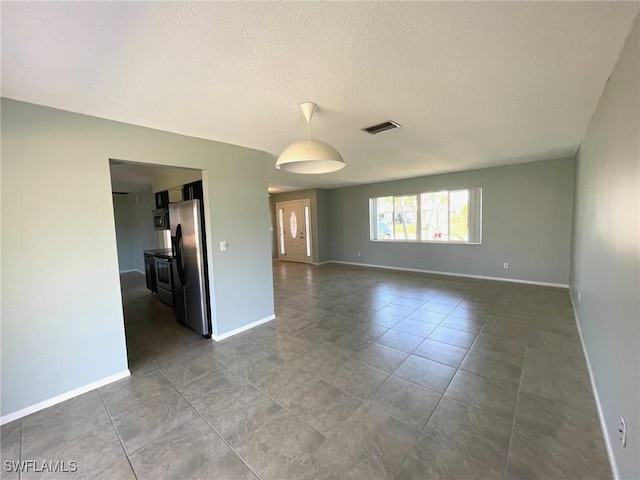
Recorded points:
(472, 84)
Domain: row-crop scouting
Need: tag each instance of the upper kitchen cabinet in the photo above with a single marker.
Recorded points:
(193, 191)
(162, 199)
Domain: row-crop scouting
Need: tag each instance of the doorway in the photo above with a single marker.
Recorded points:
(153, 295)
(294, 231)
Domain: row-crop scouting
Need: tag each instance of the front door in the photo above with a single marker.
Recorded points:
(294, 230)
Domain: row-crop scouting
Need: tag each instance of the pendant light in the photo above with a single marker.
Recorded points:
(310, 156)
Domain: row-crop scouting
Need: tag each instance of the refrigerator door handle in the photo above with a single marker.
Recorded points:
(179, 255)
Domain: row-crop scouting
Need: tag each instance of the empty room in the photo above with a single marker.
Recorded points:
(320, 240)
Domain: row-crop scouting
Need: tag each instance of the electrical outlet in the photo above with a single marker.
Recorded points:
(506, 265)
(359, 254)
(623, 432)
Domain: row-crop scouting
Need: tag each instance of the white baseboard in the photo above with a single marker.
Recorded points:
(217, 338)
(603, 425)
(481, 277)
(140, 271)
(128, 271)
(10, 417)
(323, 263)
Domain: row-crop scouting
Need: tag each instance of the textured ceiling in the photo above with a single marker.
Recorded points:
(472, 84)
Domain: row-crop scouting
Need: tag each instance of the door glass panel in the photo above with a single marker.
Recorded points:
(306, 230)
(281, 229)
(293, 225)
(162, 272)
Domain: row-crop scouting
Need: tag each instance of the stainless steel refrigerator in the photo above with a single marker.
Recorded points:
(190, 286)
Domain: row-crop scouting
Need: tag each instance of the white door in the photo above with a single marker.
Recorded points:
(294, 230)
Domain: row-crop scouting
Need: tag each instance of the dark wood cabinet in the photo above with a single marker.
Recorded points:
(150, 272)
(162, 199)
(193, 191)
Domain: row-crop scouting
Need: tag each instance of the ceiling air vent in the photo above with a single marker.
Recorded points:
(381, 127)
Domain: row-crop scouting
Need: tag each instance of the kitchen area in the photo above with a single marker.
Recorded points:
(166, 242)
(178, 274)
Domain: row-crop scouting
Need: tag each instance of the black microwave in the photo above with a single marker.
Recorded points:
(161, 219)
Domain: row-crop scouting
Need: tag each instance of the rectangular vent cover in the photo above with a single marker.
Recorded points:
(381, 127)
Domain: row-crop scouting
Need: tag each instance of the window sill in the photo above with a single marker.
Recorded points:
(425, 242)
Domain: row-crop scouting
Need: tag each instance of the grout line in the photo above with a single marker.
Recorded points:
(205, 420)
(515, 413)
(327, 438)
(410, 450)
(323, 345)
(113, 425)
(312, 375)
(135, 474)
(442, 395)
(263, 392)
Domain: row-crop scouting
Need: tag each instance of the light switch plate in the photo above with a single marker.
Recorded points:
(223, 246)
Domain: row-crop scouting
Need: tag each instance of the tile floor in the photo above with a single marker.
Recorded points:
(365, 374)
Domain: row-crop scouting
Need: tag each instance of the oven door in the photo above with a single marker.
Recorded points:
(164, 280)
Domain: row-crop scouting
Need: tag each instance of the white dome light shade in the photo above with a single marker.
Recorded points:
(310, 157)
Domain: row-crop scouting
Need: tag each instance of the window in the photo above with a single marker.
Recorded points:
(440, 217)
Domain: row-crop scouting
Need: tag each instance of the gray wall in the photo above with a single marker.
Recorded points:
(323, 225)
(62, 324)
(606, 253)
(124, 217)
(319, 221)
(527, 215)
(134, 228)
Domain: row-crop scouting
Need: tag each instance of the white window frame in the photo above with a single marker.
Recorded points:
(474, 219)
